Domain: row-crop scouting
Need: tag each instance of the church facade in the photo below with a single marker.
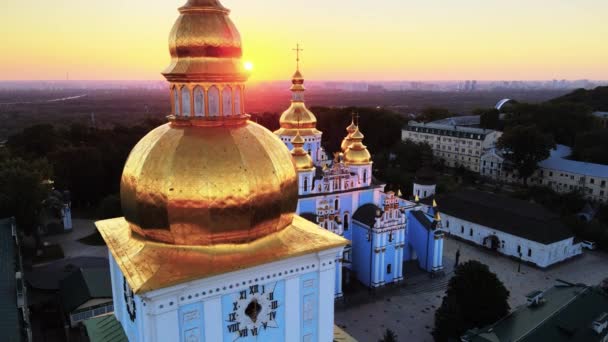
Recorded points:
(210, 247)
(342, 196)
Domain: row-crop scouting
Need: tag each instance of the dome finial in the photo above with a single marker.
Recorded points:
(298, 50)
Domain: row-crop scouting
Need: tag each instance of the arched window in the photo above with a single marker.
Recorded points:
(214, 101)
(336, 202)
(345, 222)
(175, 101)
(237, 101)
(199, 102)
(365, 176)
(227, 101)
(306, 184)
(185, 101)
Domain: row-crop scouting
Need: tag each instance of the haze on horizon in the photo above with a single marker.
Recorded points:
(342, 39)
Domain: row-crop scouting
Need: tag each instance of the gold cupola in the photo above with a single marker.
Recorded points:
(349, 132)
(357, 153)
(209, 192)
(297, 118)
(301, 158)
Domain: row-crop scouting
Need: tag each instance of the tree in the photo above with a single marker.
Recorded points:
(475, 297)
(389, 336)
(433, 114)
(525, 147)
(22, 190)
(489, 118)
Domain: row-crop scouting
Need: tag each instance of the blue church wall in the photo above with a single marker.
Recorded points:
(421, 240)
(361, 253)
(309, 288)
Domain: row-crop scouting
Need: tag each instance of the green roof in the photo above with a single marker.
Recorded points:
(84, 285)
(565, 314)
(105, 329)
(9, 322)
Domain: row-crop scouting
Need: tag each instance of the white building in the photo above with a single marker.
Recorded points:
(509, 226)
(557, 172)
(455, 145)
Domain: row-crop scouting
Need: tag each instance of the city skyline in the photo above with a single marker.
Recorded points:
(483, 40)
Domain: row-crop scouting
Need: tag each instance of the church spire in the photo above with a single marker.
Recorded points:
(349, 132)
(301, 158)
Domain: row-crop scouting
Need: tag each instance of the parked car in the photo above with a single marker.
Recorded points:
(589, 245)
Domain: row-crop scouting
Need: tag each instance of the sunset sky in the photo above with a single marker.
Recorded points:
(342, 39)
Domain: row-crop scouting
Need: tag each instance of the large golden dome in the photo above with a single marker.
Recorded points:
(190, 185)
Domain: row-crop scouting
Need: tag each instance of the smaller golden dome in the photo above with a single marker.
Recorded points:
(347, 140)
(357, 153)
(301, 158)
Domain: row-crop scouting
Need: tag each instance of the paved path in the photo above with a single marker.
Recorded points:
(69, 241)
(409, 310)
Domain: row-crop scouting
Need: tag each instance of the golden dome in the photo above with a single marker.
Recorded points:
(301, 158)
(350, 130)
(357, 153)
(191, 185)
(205, 45)
(297, 116)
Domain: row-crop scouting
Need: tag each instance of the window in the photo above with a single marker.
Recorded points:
(471, 232)
(306, 184)
(518, 249)
(214, 101)
(390, 238)
(603, 184)
(345, 222)
(388, 269)
(185, 101)
(175, 101)
(308, 308)
(529, 252)
(447, 224)
(365, 176)
(336, 202)
(227, 101)
(199, 102)
(368, 236)
(591, 180)
(461, 229)
(502, 244)
(237, 101)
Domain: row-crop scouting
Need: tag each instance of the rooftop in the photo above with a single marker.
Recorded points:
(558, 161)
(105, 329)
(516, 217)
(366, 214)
(84, 285)
(433, 125)
(566, 314)
(9, 324)
(603, 115)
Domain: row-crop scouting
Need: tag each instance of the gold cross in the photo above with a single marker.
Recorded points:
(298, 50)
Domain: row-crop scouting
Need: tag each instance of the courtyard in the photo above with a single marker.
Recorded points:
(409, 309)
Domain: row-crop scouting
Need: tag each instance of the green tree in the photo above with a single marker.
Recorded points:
(525, 147)
(22, 190)
(433, 114)
(489, 118)
(389, 336)
(475, 297)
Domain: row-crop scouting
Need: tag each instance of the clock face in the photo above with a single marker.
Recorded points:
(129, 300)
(254, 313)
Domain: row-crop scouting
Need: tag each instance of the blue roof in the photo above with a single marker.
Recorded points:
(557, 161)
(9, 324)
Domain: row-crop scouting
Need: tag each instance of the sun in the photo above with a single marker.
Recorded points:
(248, 66)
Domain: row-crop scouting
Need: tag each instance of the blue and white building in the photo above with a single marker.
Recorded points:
(341, 195)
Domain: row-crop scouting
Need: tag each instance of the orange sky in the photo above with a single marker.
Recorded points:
(342, 39)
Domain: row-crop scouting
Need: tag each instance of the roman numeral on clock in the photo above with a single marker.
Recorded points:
(274, 305)
(232, 317)
(272, 315)
(243, 332)
(235, 306)
(253, 289)
(233, 327)
(254, 332)
(243, 295)
(271, 296)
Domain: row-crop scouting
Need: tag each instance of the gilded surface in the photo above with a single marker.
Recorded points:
(207, 185)
(302, 160)
(205, 45)
(357, 153)
(149, 265)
